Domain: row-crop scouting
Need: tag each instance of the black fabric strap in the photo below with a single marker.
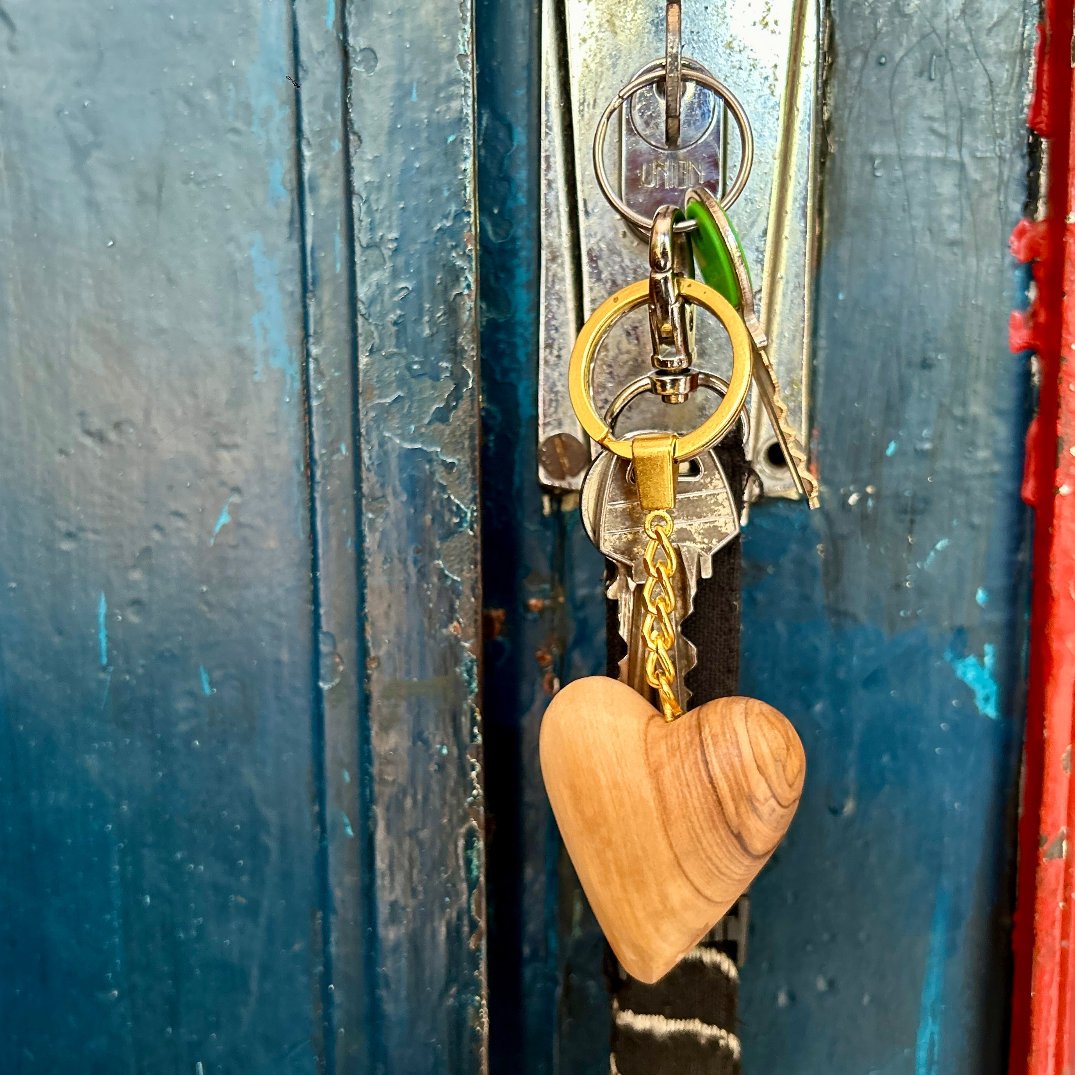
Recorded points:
(685, 1024)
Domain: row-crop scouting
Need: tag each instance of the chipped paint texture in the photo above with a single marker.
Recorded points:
(1043, 1016)
(980, 675)
(928, 1046)
(102, 630)
(418, 426)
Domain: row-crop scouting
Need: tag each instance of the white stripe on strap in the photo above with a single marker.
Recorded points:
(714, 959)
(659, 1026)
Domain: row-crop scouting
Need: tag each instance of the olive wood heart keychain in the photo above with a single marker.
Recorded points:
(667, 816)
(666, 823)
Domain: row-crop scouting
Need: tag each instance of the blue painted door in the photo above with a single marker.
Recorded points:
(243, 772)
(240, 813)
(890, 626)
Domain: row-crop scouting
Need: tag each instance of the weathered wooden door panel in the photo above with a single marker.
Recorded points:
(899, 616)
(411, 138)
(890, 626)
(240, 782)
(241, 823)
(161, 880)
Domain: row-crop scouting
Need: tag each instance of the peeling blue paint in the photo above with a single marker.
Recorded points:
(330, 15)
(277, 190)
(982, 596)
(102, 630)
(890, 451)
(222, 520)
(269, 116)
(928, 1047)
(347, 825)
(980, 676)
(203, 677)
(269, 324)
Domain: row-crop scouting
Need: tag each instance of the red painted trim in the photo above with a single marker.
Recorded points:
(1043, 1009)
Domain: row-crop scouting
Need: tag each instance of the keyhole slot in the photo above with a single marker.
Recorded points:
(774, 456)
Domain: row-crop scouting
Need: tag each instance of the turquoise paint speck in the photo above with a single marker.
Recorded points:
(982, 597)
(931, 1008)
(891, 449)
(269, 323)
(414, 91)
(939, 547)
(979, 676)
(203, 677)
(330, 15)
(222, 520)
(346, 777)
(347, 825)
(102, 629)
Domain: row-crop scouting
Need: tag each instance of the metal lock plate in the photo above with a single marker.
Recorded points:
(766, 51)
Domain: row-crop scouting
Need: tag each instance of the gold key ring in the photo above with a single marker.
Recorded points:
(584, 355)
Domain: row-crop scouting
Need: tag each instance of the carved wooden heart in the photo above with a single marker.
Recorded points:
(666, 824)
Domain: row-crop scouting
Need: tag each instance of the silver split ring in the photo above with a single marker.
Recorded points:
(691, 73)
(641, 385)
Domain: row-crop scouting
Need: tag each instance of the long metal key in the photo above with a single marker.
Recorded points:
(764, 375)
(769, 392)
(705, 521)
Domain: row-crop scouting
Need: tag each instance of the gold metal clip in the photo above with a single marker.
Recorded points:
(656, 470)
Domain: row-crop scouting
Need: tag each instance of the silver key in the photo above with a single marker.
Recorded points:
(705, 521)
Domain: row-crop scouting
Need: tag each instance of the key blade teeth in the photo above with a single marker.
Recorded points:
(801, 470)
(690, 662)
(794, 453)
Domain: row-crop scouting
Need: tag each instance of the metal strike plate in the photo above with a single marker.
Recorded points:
(767, 52)
(563, 450)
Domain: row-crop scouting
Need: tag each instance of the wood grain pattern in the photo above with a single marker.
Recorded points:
(666, 824)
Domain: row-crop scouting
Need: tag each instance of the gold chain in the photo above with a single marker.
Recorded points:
(658, 630)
